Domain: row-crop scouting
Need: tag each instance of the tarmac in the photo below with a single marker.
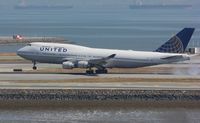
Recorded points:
(183, 75)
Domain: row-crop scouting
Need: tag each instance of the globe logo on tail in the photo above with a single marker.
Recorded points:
(174, 45)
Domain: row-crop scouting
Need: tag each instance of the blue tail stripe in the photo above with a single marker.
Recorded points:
(178, 43)
(185, 36)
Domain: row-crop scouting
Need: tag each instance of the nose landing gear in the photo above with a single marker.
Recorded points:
(34, 65)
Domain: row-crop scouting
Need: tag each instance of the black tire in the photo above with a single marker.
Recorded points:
(98, 71)
(89, 71)
(105, 71)
(101, 71)
(34, 68)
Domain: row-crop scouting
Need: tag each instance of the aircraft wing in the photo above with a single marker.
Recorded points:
(100, 62)
(93, 62)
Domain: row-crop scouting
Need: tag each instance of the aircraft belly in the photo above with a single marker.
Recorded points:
(45, 59)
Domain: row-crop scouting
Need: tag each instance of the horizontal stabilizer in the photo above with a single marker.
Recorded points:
(172, 57)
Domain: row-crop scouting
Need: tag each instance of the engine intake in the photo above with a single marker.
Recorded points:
(68, 65)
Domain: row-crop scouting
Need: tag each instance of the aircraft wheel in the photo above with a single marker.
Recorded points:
(90, 71)
(101, 71)
(34, 65)
(98, 71)
(105, 71)
(34, 68)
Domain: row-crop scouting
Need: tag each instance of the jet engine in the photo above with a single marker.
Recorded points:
(68, 65)
(83, 64)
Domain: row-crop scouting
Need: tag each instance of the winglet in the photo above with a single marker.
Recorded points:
(178, 43)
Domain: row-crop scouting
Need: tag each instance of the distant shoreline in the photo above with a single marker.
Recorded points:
(159, 6)
(44, 7)
(10, 40)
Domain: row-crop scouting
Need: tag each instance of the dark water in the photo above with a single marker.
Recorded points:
(119, 115)
(106, 28)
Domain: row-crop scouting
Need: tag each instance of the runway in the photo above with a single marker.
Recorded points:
(6, 76)
(58, 79)
(108, 85)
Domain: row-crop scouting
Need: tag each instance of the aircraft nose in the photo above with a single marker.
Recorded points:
(22, 51)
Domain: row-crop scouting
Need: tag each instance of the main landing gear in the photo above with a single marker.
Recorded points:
(101, 71)
(98, 71)
(34, 65)
(90, 71)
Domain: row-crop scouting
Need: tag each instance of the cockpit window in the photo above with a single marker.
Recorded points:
(28, 44)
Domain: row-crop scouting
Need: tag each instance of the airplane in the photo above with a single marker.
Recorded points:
(76, 56)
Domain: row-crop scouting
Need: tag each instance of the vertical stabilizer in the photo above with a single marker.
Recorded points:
(178, 43)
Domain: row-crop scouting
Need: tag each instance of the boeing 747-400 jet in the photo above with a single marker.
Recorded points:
(75, 56)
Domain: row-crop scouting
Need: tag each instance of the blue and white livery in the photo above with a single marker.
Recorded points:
(75, 56)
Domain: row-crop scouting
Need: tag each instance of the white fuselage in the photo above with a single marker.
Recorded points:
(58, 53)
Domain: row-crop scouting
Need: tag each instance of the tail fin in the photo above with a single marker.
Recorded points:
(178, 43)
